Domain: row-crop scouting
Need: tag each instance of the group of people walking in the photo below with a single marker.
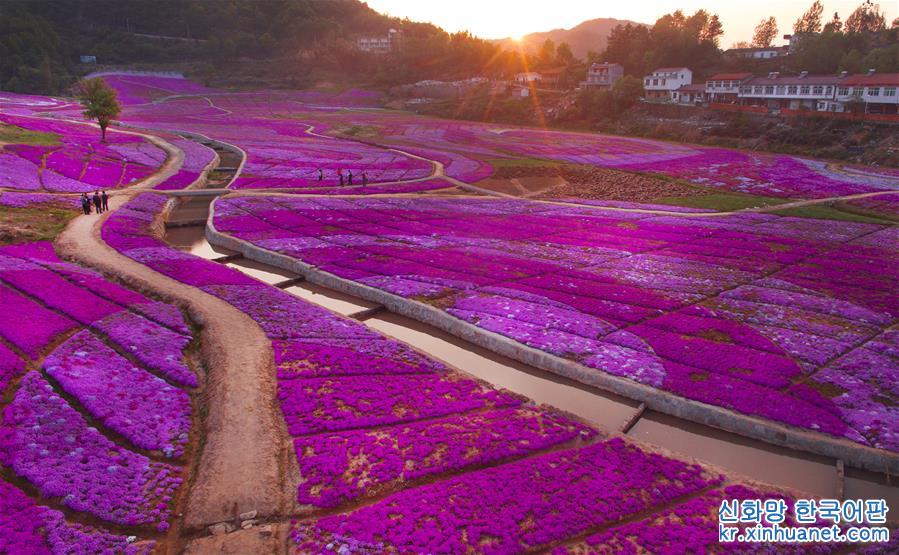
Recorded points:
(344, 179)
(100, 200)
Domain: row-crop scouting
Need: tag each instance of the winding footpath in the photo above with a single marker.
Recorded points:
(245, 448)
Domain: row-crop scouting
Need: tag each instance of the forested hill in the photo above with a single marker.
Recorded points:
(40, 42)
(591, 35)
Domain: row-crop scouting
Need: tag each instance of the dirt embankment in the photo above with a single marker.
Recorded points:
(586, 182)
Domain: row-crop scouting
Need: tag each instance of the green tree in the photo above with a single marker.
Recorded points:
(866, 18)
(100, 102)
(546, 57)
(810, 21)
(712, 30)
(564, 56)
(627, 91)
(765, 32)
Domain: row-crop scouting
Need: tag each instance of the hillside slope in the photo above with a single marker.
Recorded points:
(589, 35)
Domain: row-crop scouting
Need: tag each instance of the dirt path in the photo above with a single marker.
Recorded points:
(241, 462)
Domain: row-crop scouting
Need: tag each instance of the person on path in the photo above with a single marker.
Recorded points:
(350, 177)
(364, 179)
(320, 175)
(105, 198)
(340, 175)
(98, 204)
(85, 203)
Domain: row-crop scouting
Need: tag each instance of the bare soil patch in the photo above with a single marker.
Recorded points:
(24, 225)
(586, 182)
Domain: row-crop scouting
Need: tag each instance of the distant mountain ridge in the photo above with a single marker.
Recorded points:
(588, 35)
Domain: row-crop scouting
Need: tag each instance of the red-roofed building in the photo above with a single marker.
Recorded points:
(875, 93)
(723, 88)
(791, 92)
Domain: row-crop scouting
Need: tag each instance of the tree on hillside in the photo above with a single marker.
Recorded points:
(713, 30)
(564, 56)
(765, 32)
(547, 55)
(835, 25)
(895, 24)
(810, 21)
(866, 18)
(674, 39)
(741, 44)
(100, 102)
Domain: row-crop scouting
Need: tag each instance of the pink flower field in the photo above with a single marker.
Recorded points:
(97, 411)
(773, 317)
(179, 404)
(78, 163)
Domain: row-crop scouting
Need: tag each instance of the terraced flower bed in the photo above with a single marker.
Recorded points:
(452, 465)
(77, 162)
(98, 413)
(780, 318)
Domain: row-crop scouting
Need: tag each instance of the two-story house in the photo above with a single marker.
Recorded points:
(724, 88)
(603, 75)
(663, 81)
(803, 91)
(875, 93)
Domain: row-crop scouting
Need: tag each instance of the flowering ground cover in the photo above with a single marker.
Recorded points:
(453, 466)
(78, 162)
(756, 173)
(95, 417)
(271, 127)
(781, 318)
(27, 527)
(197, 157)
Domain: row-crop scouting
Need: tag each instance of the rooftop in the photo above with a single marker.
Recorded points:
(872, 79)
(796, 80)
(729, 76)
(669, 69)
(694, 88)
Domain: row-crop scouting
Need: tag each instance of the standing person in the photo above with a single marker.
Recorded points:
(340, 175)
(98, 204)
(85, 203)
(350, 177)
(105, 198)
(364, 179)
(320, 175)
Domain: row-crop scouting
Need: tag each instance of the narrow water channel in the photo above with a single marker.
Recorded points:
(730, 452)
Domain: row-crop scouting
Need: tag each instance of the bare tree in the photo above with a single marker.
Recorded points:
(765, 32)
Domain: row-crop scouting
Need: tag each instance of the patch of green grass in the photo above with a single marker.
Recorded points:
(827, 212)
(728, 202)
(15, 135)
(523, 162)
(360, 131)
(721, 202)
(22, 225)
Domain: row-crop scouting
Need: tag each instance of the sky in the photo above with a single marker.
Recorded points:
(512, 18)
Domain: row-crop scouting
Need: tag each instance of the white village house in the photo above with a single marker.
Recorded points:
(665, 80)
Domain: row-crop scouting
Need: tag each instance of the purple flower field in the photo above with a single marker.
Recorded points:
(110, 431)
(79, 163)
(780, 318)
(90, 421)
(453, 465)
